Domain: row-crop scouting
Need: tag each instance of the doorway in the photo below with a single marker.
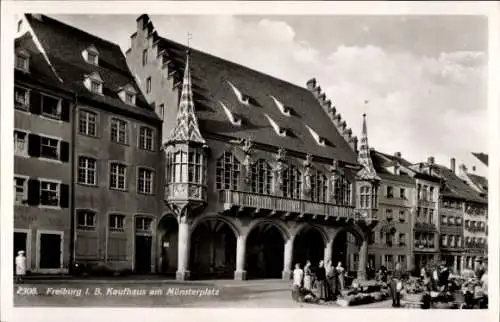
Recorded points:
(50, 251)
(20, 243)
(143, 253)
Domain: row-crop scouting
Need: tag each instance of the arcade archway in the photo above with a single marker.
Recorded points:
(213, 250)
(264, 252)
(168, 232)
(309, 244)
(346, 247)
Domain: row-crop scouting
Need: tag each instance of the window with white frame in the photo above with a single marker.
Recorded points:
(162, 111)
(390, 192)
(129, 98)
(388, 214)
(431, 216)
(87, 123)
(146, 140)
(119, 131)
(452, 241)
(21, 190)
(402, 240)
(22, 62)
(365, 196)
(319, 186)
(51, 106)
(21, 98)
(49, 148)
(117, 176)
(444, 240)
(116, 222)
(95, 87)
(145, 181)
(144, 57)
(92, 58)
(20, 143)
(227, 174)
(85, 219)
(148, 85)
(195, 167)
(459, 241)
(292, 182)
(87, 171)
(402, 193)
(261, 177)
(143, 224)
(343, 191)
(49, 193)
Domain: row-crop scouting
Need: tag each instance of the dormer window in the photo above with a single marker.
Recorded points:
(91, 55)
(319, 140)
(280, 131)
(93, 83)
(244, 99)
(22, 61)
(230, 115)
(283, 109)
(127, 94)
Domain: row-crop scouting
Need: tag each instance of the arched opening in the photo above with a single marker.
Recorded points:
(168, 232)
(265, 252)
(346, 246)
(309, 245)
(213, 250)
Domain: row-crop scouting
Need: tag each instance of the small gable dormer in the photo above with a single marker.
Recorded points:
(283, 109)
(91, 55)
(244, 99)
(319, 140)
(22, 61)
(93, 82)
(279, 130)
(233, 119)
(127, 94)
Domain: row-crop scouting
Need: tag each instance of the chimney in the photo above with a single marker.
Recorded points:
(462, 170)
(311, 84)
(473, 168)
(397, 154)
(452, 164)
(430, 160)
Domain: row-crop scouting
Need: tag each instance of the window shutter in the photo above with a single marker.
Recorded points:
(64, 151)
(65, 110)
(35, 102)
(33, 192)
(34, 145)
(64, 196)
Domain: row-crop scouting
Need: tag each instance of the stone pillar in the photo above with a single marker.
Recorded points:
(410, 262)
(455, 264)
(363, 257)
(240, 273)
(183, 250)
(287, 260)
(328, 252)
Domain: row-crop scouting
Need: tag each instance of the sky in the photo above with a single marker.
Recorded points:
(424, 77)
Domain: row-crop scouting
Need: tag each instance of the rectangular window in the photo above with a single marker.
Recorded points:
(143, 224)
(431, 193)
(117, 176)
(148, 85)
(444, 220)
(51, 106)
(388, 239)
(431, 216)
(388, 261)
(95, 87)
(87, 123)
(87, 171)
(129, 98)
(144, 57)
(86, 220)
(402, 240)
(21, 98)
(49, 193)
(390, 192)
(116, 222)
(162, 111)
(402, 260)
(146, 138)
(21, 190)
(402, 193)
(49, 148)
(444, 240)
(22, 62)
(20, 143)
(145, 181)
(402, 216)
(119, 131)
(388, 214)
(92, 58)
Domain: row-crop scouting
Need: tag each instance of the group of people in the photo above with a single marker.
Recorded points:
(323, 282)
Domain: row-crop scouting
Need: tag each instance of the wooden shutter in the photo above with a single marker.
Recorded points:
(64, 196)
(65, 110)
(33, 192)
(35, 102)
(64, 151)
(34, 145)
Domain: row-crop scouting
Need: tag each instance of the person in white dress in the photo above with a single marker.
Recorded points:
(20, 266)
(340, 272)
(298, 275)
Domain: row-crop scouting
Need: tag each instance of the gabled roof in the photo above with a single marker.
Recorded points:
(211, 78)
(479, 181)
(64, 45)
(456, 187)
(483, 157)
(380, 162)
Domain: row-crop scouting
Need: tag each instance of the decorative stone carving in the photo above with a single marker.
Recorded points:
(307, 174)
(247, 147)
(278, 170)
(334, 174)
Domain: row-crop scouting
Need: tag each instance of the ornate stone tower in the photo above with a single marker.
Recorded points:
(186, 173)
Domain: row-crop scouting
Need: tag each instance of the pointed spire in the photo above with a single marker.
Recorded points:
(368, 172)
(186, 129)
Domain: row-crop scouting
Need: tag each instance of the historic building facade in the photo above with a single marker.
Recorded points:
(42, 162)
(256, 178)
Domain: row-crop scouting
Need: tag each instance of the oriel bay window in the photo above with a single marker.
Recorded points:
(364, 197)
(292, 183)
(186, 167)
(262, 177)
(228, 170)
(343, 191)
(319, 187)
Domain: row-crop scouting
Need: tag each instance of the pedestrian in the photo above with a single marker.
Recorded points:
(396, 285)
(298, 275)
(332, 280)
(320, 285)
(20, 266)
(308, 276)
(341, 276)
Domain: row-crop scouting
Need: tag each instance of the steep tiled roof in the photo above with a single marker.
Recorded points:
(380, 162)
(456, 187)
(481, 157)
(479, 181)
(212, 78)
(64, 45)
(368, 172)
(394, 158)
